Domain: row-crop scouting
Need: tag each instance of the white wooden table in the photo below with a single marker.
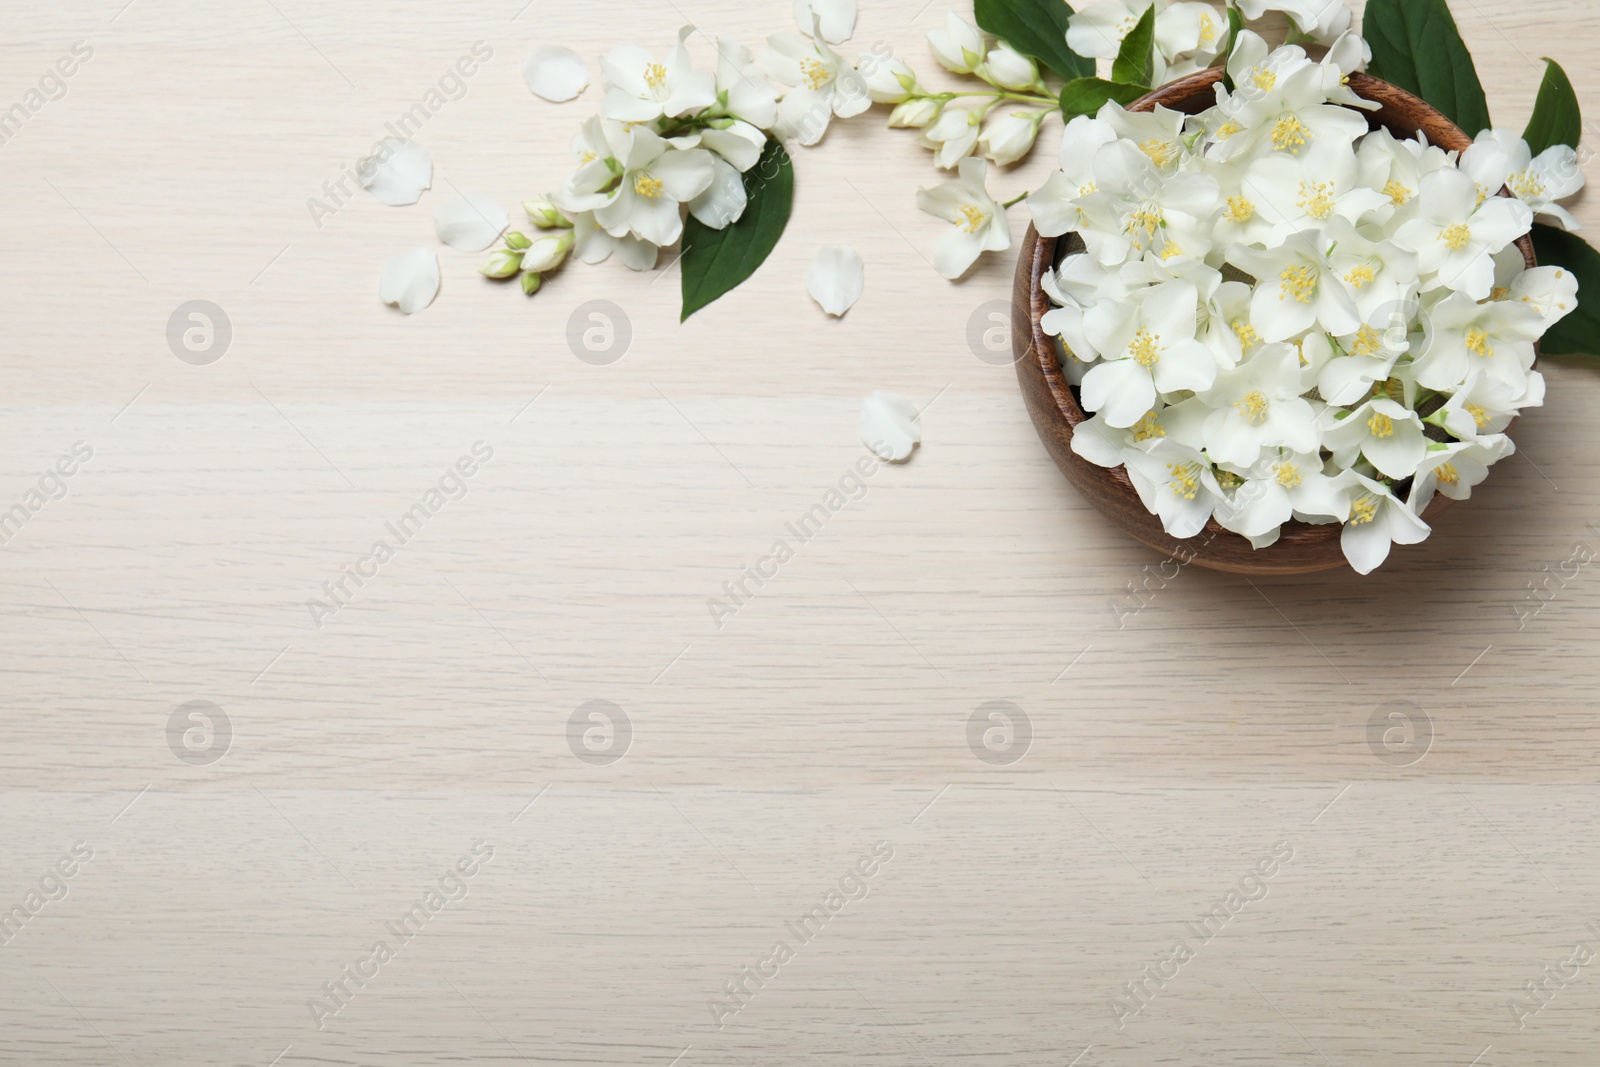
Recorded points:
(1424, 873)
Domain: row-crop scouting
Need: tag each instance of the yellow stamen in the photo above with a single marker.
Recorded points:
(1479, 415)
(1289, 134)
(816, 74)
(1145, 348)
(587, 157)
(1456, 236)
(1265, 80)
(1185, 479)
(1397, 193)
(1146, 219)
(1368, 342)
(1361, 276)
(1229, 480)
(1247, 335)
(1526, 185)
(1087, 188)
(1208, 30)
(1447, 474)
(1484, 192)
(1380, 425)
(1159, 151)
(1316, 199)
(1239, 210)
(646, 186)
(1169, 250)
(655, 75)
(1300, 283)
(1364, 510)
(1288, 475)
(972, 219)
(1478, 341)
(1148, 427)
(1228, 129)
(1253, 406)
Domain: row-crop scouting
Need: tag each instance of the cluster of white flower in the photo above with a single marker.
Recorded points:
(1278, 315)
(671, 138)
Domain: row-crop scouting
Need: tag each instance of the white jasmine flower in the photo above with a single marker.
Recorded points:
(1321, 20)
(1280, 486)
(1097, 31)
(1378, 521)
(1387, 434)
(891, 426)
(1396, 168)
(915, 114)
(835, 20)
(1010, 136)
(1461, 334)
(1501, 158)
(1292, 194)
(1177, 484)
(1454, 470)
(556, 73)
(724, 200)
(1456, 237)
(1189, 37)
(1381, 275)
(1258, 406)
(958, 46)
(1157, 133)
(1148, 346)
(410, 280)
(639, 186)
(638, 89)
(1285, 113)
(1551, 291)
(743, 88)
(952, 136)
(1364, 358)
(739, 143)
(836, 279)
(1297, 288)
(980, 223)
(1350, 53)
(825, 86)
(1055, 206)
(1146, 212)
(1008, 68)
(1486, 405)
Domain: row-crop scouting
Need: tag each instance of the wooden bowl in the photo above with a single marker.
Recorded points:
(1303, 548)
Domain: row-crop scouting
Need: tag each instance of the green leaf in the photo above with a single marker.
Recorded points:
(1579, 333)
(1556, 118)
(1085, 96)
(1235, 27)
(1037, 29)
(1415, 45)
(717, 261)
(1136, 61)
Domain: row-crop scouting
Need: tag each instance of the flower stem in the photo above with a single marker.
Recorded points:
(1015, 200)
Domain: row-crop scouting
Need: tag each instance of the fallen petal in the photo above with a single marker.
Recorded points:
(836, 279)
(470, 223)
(398, 173)
(890, 426)
(558, 74)
(410, 280)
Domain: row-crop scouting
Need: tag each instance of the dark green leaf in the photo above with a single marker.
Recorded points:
(1085, 96)
(716, 261)
(1579, 333)
(1136, 61)
(1556, 118)
(1036, 28)
(1415, 45)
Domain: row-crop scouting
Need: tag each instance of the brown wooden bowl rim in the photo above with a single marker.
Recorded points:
(1041, 254)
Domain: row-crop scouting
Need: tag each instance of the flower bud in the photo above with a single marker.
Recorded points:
(889, 80)
(531, 282)
(502, 264)
(517, 241)
(1010, 69)
(545, 215)
(1007, 138)
(915, 114)
(547, 252)
(958, 46)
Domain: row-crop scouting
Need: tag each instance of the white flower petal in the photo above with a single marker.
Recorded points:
(410, 280)
(890, 426)
(398, 173)
(470, 222)
(556, 73)
(837, 18)
(836, 279)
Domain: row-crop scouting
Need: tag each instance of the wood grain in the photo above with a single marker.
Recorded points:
(1174, 736)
